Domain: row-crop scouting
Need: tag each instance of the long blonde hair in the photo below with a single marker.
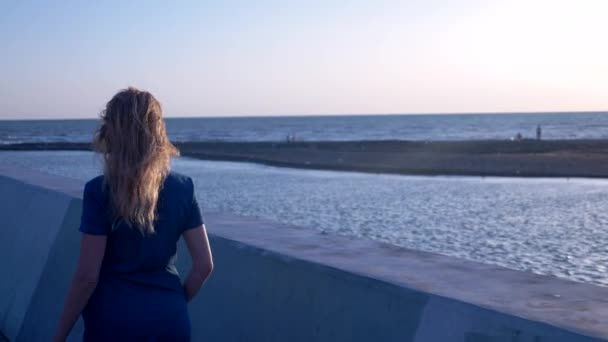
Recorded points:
(136, 150)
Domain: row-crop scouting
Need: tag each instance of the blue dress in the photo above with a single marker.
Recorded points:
(139, 296)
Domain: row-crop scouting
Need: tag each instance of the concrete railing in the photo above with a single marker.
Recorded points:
(278, 283)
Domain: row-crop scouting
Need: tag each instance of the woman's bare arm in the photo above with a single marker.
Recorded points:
(92, 249)
(202, 260)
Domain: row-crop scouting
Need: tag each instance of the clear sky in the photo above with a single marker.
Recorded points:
(63, 59)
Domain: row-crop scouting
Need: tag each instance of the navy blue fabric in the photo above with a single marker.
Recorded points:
(139, 295)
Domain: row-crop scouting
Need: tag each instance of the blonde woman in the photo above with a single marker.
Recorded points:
(126, 285)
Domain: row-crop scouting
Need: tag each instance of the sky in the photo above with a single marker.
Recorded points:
(65, 59)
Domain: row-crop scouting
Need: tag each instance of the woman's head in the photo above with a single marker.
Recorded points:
(136, 150)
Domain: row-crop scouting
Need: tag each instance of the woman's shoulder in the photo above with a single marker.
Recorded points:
(178, 181)
(173, 180)
(94, 184)
(179, 178)
(95, 188)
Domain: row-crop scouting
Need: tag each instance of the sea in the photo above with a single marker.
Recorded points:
(555, 226)
(586, 125)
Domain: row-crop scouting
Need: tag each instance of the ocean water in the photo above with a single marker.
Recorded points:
(547, 226)
(319, 128)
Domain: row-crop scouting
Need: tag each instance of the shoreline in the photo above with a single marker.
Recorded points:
(501, 158)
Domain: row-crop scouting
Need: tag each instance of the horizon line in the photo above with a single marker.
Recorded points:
(245, 116)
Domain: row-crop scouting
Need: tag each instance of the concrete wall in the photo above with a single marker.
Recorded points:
(279, 283)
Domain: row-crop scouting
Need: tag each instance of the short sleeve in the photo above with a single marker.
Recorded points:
(194, 217)
(93, 219)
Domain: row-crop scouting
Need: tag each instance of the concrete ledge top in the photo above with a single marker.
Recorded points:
(68, 186)
(577, 307)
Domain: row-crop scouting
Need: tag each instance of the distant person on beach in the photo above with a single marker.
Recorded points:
(126, 285)
(539, 132)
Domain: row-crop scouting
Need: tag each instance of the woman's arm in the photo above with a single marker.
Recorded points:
(92, 249)
(202, 260)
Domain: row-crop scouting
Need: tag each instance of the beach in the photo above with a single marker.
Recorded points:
(525, 158)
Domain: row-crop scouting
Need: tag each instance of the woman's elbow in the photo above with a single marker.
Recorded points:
(208, 268)
(204, 269)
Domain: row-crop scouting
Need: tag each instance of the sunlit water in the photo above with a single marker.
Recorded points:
(547, 226)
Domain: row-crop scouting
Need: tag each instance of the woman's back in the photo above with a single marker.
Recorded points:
(132, 256)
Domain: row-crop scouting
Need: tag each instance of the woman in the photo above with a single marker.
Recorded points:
(126, 286)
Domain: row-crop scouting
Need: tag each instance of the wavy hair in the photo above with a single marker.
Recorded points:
(136, 151)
